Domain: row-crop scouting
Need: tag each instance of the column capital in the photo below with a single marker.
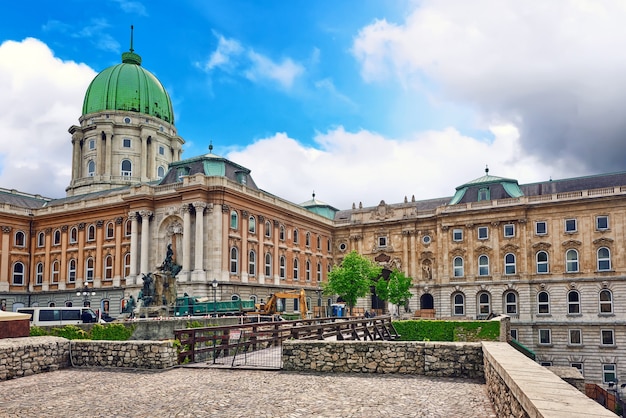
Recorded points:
(199, 206)
(145, 213)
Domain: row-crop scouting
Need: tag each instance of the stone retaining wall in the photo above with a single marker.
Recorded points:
(423, 358)
(29, 355)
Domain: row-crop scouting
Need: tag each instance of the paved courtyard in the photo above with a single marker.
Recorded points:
(207, 392)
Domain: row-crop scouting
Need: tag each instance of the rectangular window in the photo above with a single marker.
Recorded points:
(382, 241)
(457, 235)
(609, 373)
(514, 334)
(607, 337)
(570, 225)
(545, 337)
(92, 144)
(546, 363)
(509, 230)
(541, 228)
(483, 232)
(126, 143)
(575, 337)
(602, 223)
(579, 367)
(161, 150)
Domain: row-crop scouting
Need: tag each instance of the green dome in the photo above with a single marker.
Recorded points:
(128, 87)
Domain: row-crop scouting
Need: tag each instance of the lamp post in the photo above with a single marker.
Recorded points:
(319, 301)
(86, 293)
(214, 285)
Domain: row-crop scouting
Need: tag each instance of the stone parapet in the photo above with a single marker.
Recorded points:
(124, 354)
(421, 358)
(29, 355)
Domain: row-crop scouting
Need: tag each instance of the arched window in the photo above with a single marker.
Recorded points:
(543, 302)
(56, 240)
(458, 267)
(89, 269)
(606, 302)
(484, 304)
(110, 230)
(234, 219)
(160, 172)
(91, 168)
(127, 168)
(510, 303)
(319, 271)
(282, 267)
(268, 265)
(295, 269)
(307, 271)
(254, 299)
(252, 263)
(573, 302)
(91, 233)
(18, 274)
(295, 236)
(126, 265)
(20, 239)
(458, 304)
(542, 262)
(73, 235)
(604, 259)
(54, 272)
(235, 297)
(307, 239)
(252, 225)
(509, 264)
(39, 274)
(268, 229)
(281, 234)
(483, 265)
(128, 228)
(571, 264)
(41, 239)
(71, 271)
(319, 242)
(234, 260)
(108, 267)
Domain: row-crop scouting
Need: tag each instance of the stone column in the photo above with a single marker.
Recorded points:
(413, 258)
(63, 260)
(186, 241)
(4, 259)
(275, 236)
(145, 241)
(134, 247)
(108, 157)
(143, 159)
(261, 255)
(243, 258)
(198, 271)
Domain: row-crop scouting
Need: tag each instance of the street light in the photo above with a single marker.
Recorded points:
(214, 284)
(86, 293)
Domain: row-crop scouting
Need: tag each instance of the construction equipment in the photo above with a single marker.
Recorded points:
(188, 305)
(271, 306)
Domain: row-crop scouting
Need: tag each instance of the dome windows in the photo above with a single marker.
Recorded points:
(127, 168)
(127, 120)
(126, 143)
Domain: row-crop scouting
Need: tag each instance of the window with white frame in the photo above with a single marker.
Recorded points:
(282, 267)
(73, 235)
(543, 302)
(126, 265)
(604, 259)
(91, 233)
(509, 230)
(160, 172)
(108, 267)
(573, 302)
(296, 269)
(606, 301)
(20, 239)
(234, 219)
(128, 228)
(41, 239)
(71, 271)
(252, 263)
(268, 229)
(458, 266)
(509, 264)
(110, 234)
(91, 168)
(571, 261)
(54, 272)
(483, 265)
(575, 337)
(545, 363)
(126, 168)
(268, 265)
(295, 236)
(570, 225)
(307, 271)
(457, 235)
(252, 225)
(92, 144)
(602, 223)
(39, 274)
(161, 150)
(307, 239)
(510, 303)
(18, 274)
(458, 303)
(542, 262)
(545, 337)
(126, 143)
(319, 243)
(382, 241)
(609, 373)
(319, 271)
(484, 303)
(89, 269)
(541, 228)
(483, 232)
(607, 337)
(56, 237)
(281, 233)
(483, 194)
(234, 260)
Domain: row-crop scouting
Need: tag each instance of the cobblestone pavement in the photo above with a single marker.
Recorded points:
(192, 392)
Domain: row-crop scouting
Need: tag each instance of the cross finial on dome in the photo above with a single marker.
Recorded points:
(210, 147)
(313, 194)
(486, 169)
(130, 57)
(131, 38)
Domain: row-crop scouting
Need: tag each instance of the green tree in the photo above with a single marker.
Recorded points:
(396, 289)
(352, 279)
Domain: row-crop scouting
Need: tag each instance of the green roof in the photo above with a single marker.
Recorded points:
(128, 87)
(510, 186)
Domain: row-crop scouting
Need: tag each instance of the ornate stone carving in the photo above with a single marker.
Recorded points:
(99, 224)
(482, 249)
(145, 214)
(445, 228)
(199, 206)
(81, 226)
(174, 228)
(572, 243)
(541, 246)
(119, 220)
(225, 209)
(6, 229)
(457, 252)
(245, 213)
(383, 211)
(64, 228)
(603, 242)
(510, 248)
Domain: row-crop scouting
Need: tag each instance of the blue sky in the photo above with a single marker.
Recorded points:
(359, 100)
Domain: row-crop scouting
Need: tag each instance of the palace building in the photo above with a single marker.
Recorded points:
(550, 254)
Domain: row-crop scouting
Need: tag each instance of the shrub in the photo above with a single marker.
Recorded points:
(425, 330)
(36, 331)
(111, 332)
(71, 332)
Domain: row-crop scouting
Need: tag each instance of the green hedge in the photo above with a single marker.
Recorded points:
(425, 330)
(110, 332)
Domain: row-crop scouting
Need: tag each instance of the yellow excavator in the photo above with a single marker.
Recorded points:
(271, 306)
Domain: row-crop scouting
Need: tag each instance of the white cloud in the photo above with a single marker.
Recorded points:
(352, 167)
(41, 98)
(551, 68)
(222, 57)
(263, 68)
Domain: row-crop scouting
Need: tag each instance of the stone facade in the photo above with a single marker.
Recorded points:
(26, 356)
(421, 358)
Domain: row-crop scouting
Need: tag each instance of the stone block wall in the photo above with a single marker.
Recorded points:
(29, 355)
(124, 354)
(422, 358)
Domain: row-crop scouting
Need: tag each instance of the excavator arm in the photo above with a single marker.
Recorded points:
(270, 307)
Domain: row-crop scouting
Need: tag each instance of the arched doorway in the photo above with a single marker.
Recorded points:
(427, 301)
